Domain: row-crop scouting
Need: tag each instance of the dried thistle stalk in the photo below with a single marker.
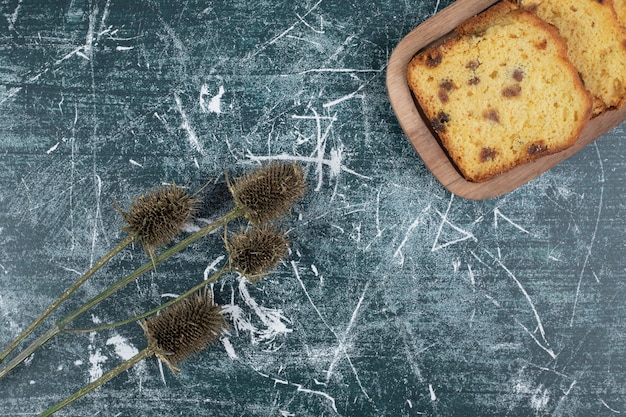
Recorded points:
(157, 217)
(181, 331)
(269, 192)
(184, 329)
(255, 252)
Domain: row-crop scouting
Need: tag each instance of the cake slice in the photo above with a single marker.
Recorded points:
(501, 92)
(596, 45)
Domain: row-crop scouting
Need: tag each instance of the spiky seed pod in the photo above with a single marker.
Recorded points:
(269, 191)
(157, 217)
(255, 252)
(184, 329)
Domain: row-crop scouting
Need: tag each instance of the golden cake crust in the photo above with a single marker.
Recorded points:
(501, 92)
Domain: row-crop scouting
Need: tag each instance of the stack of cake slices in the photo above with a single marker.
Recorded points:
(521, 80)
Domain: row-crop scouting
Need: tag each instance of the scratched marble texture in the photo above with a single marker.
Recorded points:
(397, 299)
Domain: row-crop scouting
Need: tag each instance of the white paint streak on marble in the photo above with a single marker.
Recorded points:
(611, 409)
(571, 386)
(320, 149)
(214, 105)
(413, 350)
(186, 126)
(436, 7)
(526, 295)
(418, 220)
(276, 38)
(341, 347)
(540, 399)
(497, 213)
(431, 390)
(169, 295)
(318, 155)
(212, 267)
(472, 277)
(456, 264)
(273, 319)
(302, 39)
(162, 373)
(12, 18)
(464, 235)
(546, 349)
(53, 148)
(229, 348)
(294, 266)
(593, 235)
(319, 31)
(93, 35)
(299, 387)
(96, 359)
(122, 347)
(105, 15)
(303, 117)
(595, 276)
(339, 70)
(239, 320)
(94, 235)
(379, 230)
(89, 38)
(344, 98)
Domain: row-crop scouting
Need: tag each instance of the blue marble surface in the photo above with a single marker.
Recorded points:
(397, 299)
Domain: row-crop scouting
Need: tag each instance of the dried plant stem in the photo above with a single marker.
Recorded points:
(101, 262)
(155, 310)
(62, 323)
(144, 354)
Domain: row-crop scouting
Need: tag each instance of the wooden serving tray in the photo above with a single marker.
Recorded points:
(428, 146)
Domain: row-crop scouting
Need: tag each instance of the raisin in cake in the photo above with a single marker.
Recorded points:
(501, 92)
(596, 45)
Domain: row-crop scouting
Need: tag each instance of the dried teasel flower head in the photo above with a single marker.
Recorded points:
(269, 191)
(255, 252)
(158, 216)
(184, 329)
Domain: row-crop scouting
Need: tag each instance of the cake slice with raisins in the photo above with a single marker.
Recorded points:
(596, 44)
(500, 92)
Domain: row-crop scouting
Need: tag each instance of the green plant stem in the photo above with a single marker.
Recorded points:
(155, 310)
(106, 258)
(62, 323)
(23, 355)
(144, 354)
